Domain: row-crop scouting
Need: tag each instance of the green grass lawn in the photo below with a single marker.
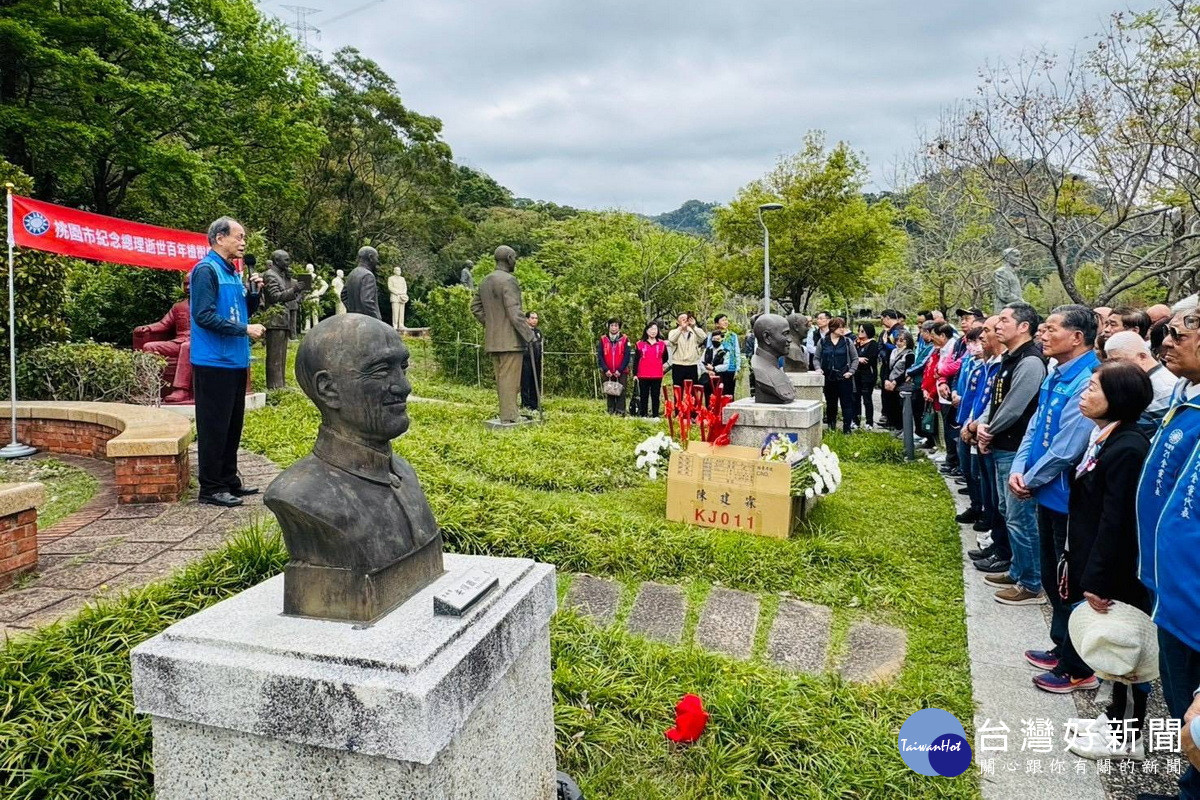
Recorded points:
(885, 547)
(67, 487)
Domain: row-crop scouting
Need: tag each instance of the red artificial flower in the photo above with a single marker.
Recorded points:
(690, 720)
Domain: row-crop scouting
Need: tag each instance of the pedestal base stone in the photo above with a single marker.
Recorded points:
(809, 385)
(250, 703)
(758, 420)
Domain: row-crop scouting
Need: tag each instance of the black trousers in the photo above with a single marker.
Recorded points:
(684, 372)
(220, 407)
(531, 373)
(950, 433)
(866, 400)
(649, 396)
(839, 390)
(1052, 540)
(892, 411)
(616, 403)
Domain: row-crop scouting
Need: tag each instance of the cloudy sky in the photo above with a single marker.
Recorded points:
(643, 104)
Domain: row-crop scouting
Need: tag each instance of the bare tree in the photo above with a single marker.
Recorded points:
(1077, 158)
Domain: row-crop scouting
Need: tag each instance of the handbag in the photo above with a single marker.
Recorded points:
(635, 402)
(612, 388)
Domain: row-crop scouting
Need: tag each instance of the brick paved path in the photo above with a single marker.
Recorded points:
(103, 548)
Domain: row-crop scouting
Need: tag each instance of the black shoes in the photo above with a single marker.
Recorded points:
(993, 564)
(242, 491)
(969, 516)
(983, 526)
(220, 499)
(981, 553)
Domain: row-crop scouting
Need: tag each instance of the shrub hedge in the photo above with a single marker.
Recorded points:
(88, 371)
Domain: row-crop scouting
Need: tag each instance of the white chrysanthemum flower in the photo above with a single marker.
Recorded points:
(818, 484)
(809, 494)
(653, 473)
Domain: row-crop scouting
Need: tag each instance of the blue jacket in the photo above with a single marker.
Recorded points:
(220, 311)
(1162, 500)
(970, 384)
(733, 352)
(924, 351)
(987, 382)
(1058, 433)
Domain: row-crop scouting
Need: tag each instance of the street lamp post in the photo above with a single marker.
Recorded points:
(767, 254)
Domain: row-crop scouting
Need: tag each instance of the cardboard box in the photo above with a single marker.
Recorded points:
(730, 488)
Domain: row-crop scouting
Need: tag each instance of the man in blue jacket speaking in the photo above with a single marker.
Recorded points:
(221, 334)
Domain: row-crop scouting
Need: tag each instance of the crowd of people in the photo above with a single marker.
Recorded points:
(1075, 439)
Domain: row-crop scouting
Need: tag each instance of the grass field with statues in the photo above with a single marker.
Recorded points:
(883, 549)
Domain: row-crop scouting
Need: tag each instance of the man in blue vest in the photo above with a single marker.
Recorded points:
(1168, 514)
(1053, 444)
(220, 356)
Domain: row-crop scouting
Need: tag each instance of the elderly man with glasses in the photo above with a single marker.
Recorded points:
(1168, 512)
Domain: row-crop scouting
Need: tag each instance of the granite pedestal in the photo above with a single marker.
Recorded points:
(757, 420)
(809, 385)
(247, 702)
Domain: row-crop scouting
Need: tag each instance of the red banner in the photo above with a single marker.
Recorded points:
(68, 232)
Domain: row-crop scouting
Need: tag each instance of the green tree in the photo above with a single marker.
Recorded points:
(827, 238)
(39, 280)
(383, 177)
(157, 110)
(597, 254)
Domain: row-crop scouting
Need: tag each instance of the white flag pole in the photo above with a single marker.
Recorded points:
(14, 449)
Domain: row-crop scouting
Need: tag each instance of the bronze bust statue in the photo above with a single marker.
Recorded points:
(357, 525)
(796, 359)
(772, 337)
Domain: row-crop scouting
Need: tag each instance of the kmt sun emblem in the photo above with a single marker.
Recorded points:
(1176, 436)
(36, 223)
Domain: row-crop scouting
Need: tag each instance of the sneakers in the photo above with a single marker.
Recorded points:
(1001, 580)
(983, 526)
(1098, 744)
(968, 516)
(1046, 660)
(1020, 596)
(981, 553)
(995, 564)
(1058, 682)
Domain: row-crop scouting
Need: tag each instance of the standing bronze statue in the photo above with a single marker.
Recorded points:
(361, 295)
(280, 291)
(497, 306)
(359, 531)
(772, 337)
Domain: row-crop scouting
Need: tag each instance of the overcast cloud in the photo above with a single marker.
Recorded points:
(643, 105)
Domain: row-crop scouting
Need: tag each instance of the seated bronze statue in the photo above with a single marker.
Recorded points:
(171, 338)
(356, 523)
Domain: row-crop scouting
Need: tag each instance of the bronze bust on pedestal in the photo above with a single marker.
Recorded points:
(357, 525)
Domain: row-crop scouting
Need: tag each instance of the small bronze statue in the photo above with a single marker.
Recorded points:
(359, 530)
(796, 359)
(772, 338)
(1006, 283)
(280, 291)
(506, 332)
(361, 295)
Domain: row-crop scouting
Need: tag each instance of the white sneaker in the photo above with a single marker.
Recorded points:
(1096, 745)
(1096, 740)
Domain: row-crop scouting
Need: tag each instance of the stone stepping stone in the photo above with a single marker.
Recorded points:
(728, 623)
(799, 639)
(659, 612)
(594, 597)
(874, 653)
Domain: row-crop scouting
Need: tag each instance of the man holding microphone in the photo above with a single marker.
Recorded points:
(221, 334)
